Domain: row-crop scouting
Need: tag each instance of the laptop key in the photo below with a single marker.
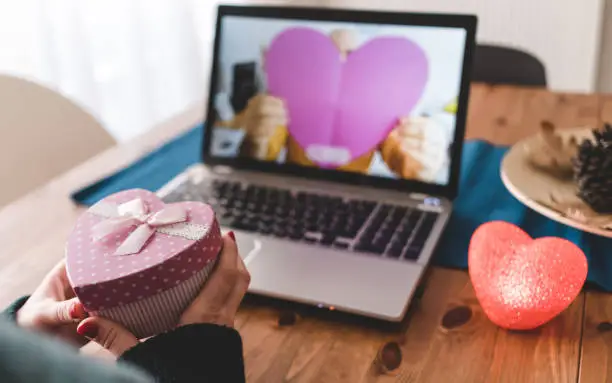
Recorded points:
(403, 234)
(379, 218)
(408, 224)
(380, 242)
(328, 239)
(245, 225)
(337, 226)
(312, 237)
(424, 230)
(295, 213)
(386, 231)
(296, 234)
(398, 214)
(367, 236)
(369, 205)
(266, 220)
(378, 250)
(266, 230)
(341, 245)
(253, 207)
(371, 246)
(412, 253)
(427, 223)
(395, 250)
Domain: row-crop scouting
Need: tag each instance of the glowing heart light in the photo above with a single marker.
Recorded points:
(520, 282)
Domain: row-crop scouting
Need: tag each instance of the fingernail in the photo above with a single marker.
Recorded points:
(88, 330)
(76, 311)
(232, 236)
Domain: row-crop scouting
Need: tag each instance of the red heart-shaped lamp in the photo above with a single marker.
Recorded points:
(520, 282)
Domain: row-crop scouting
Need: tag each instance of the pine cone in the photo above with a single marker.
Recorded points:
(593, 170)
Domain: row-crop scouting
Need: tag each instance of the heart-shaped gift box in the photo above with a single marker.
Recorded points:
(139, 262)
(521, 282)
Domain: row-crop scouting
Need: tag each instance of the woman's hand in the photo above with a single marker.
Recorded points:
(53, 308)
(217, 303)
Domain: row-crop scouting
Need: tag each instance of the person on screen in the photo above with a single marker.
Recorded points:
(416, 148)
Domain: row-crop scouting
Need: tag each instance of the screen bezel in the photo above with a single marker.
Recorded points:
(466, 22)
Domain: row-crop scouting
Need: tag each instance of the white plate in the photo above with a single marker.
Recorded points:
(531, 185)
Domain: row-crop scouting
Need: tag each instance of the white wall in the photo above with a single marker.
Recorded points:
(564, 34)
(605, 60)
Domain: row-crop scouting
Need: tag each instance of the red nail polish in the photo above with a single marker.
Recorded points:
(75, 311)
(88, 329)
(232, 236)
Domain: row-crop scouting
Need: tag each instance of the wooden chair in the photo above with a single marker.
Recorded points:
(42, 134)
(507, 66)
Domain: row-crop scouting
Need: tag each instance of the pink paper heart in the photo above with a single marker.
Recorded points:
(522, 283)
(149, 290)
(348, 106)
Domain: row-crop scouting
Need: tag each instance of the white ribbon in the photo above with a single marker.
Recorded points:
(171, 220)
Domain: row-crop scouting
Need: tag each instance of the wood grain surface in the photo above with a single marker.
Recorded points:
(445, 338)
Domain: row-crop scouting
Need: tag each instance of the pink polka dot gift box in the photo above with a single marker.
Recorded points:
(139, 262)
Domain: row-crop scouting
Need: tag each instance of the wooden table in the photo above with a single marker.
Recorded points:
(446, 338)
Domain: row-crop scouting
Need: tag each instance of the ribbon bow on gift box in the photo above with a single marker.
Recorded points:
(170, 220)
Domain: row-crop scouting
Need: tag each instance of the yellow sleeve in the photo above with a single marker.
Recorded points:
(277, 142)
(265, 149)
(389, 149)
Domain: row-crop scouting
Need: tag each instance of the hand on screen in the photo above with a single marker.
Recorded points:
(265, 125)
(416, 148)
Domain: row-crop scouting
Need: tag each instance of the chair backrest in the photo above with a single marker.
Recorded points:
(509, 66)
(42, 134)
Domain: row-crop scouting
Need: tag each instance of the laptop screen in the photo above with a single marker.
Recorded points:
(378, 100)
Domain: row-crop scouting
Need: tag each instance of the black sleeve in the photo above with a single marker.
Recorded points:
(194, 353)
(10, 313)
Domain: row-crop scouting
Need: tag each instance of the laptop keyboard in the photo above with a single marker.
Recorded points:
(364, 226)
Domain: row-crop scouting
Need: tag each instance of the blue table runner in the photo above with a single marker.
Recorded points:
(482, 198)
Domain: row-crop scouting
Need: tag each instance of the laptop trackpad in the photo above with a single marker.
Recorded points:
(365, 284)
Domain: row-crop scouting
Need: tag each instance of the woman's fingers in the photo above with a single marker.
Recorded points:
(222, 293)
(221, 282)
(54, 283)
(63, 312)
(240, 287)
(50, 313)
(228, 257)
(110, 335)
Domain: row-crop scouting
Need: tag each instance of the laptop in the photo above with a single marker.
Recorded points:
(332, 149)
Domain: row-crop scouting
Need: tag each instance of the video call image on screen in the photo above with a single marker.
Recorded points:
(379, 100)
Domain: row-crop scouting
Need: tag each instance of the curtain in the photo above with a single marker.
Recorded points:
(131, 63)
